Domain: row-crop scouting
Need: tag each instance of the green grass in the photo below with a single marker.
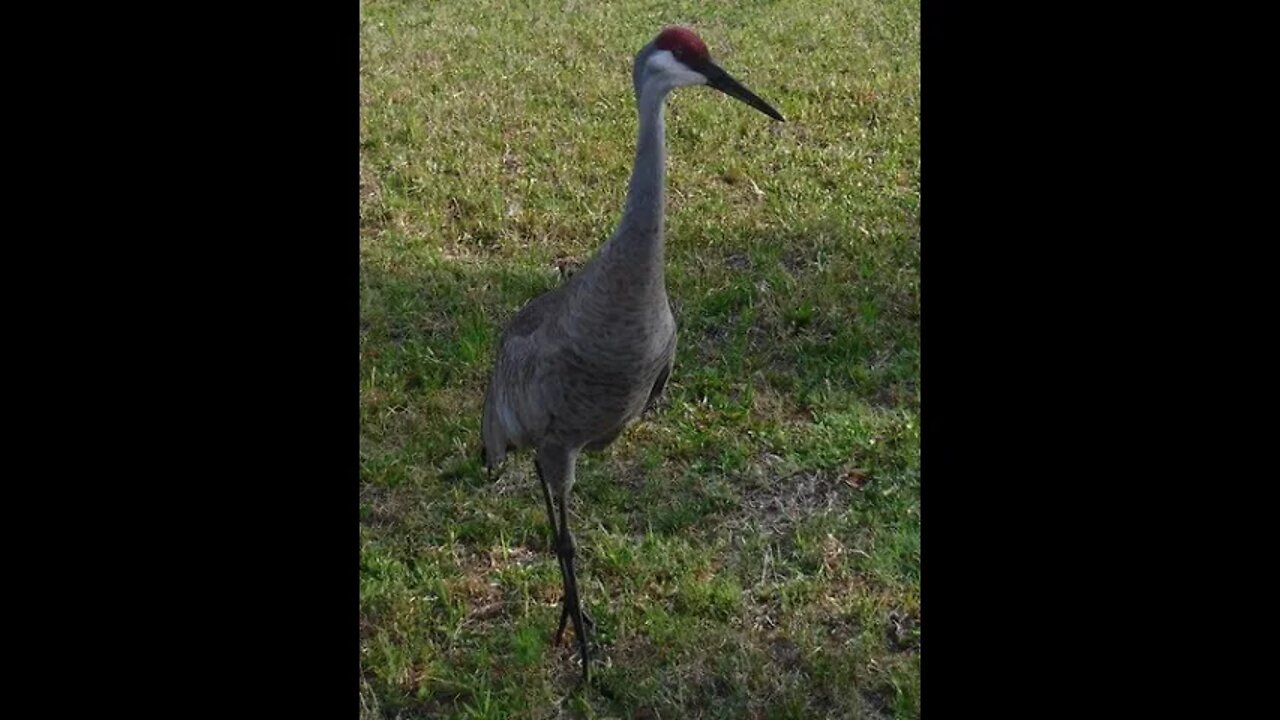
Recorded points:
(749, 549)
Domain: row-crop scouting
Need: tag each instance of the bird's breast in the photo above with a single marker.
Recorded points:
(604, 385)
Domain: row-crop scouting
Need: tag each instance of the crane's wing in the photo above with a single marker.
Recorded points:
(507, 407)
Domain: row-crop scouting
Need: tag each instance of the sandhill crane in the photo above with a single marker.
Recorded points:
(579, 362)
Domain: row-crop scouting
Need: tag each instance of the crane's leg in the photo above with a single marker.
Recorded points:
(555, 539)
(555, 542)
(566, 549)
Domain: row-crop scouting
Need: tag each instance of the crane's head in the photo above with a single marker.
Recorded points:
(678, 57)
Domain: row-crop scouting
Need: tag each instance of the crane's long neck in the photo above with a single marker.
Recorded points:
(636, 248)
(646, 194)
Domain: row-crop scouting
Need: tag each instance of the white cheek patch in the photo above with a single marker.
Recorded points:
(674, 70)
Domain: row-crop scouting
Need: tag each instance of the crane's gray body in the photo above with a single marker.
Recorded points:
(580, 362)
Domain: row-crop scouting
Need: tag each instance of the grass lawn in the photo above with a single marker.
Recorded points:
(751, 548)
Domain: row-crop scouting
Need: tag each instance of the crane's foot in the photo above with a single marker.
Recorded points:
(584, 634)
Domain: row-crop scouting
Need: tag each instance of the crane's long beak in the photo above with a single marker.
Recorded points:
(722, 81)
